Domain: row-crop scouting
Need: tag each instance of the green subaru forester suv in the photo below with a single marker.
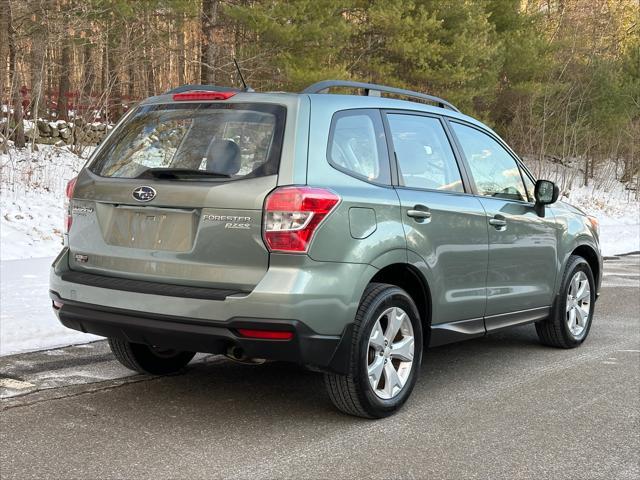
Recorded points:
(345, 233)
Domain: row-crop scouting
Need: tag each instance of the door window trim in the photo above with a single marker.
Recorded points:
(395, 175)
(521, 167)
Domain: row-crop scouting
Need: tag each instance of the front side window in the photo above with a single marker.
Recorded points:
(357, 145)
(493, 169)
(192, 141)
(424, 154)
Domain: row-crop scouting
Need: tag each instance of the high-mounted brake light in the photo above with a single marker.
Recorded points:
(202, 95)
(265, 334)
(68, 219)
(292, 215)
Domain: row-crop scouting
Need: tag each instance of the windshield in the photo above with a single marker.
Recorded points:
(195, 142)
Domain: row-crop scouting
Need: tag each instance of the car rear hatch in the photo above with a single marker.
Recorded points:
(175, 195)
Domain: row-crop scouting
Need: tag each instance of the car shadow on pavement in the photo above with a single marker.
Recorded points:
(250, 391)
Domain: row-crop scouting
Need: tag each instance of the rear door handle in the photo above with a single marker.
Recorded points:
(498, 221)
(419, 212)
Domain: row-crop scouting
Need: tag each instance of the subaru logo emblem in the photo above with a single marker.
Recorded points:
(144, 194)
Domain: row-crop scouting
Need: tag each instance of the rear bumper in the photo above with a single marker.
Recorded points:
(306, 347)
(323, 296)
(317, 301)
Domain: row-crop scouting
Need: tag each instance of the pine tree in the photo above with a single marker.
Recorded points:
(445, 48)
(299, 42)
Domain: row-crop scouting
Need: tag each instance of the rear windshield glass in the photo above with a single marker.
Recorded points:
(195, 142)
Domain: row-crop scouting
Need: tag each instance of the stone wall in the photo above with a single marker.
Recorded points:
(76, 132)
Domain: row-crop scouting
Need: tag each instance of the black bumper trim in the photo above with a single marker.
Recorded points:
(142, 286)
(325, 352)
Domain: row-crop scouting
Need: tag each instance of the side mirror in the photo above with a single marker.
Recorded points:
(546, 193)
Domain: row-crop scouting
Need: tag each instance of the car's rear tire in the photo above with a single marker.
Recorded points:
(386, 344)
(146, 359)
(570, 321)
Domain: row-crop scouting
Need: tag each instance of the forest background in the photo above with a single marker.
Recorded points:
(558, 79)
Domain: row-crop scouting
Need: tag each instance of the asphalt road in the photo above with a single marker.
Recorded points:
(498, 407)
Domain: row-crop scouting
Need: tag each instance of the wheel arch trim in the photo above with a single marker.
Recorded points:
(417, 286)
(587, 250)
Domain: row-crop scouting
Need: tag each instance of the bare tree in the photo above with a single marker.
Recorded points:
(209, 55)
(4, 73)
(64, 84)
(14, 81)
(38, 51)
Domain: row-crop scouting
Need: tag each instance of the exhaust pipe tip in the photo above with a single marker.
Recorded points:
(236, 353)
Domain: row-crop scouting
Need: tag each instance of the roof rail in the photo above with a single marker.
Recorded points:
(372, 89)
(205, 88)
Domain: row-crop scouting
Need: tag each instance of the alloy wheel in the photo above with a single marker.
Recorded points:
(390, 353)
(578, 304)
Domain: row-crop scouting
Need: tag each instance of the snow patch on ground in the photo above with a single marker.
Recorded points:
(614, 205)
(27, 321)
(31, 224)
(32, 198)
(617, 211)
(32, 211)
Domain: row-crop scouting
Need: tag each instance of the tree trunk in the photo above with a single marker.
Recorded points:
(14, 81)
(181, 48)
(630, 169)
(131, 78)
(114, 84)
(38, 51)
(151, 78)
(64, 83)
(4, 56)
(147, 53)
(209, 53)
(51, 77)
(88, 70)
(104, 76)
(585, 178)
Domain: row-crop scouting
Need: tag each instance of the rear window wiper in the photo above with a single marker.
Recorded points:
(177, 173)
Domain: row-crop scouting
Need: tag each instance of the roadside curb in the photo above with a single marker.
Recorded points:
(618, 255)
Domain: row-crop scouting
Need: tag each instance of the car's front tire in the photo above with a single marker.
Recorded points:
(570, 320)
(386, 353)
(146, 359)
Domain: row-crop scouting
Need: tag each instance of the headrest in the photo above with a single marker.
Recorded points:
(223, 156)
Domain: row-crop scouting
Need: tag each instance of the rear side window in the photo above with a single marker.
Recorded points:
(494, 170)
(198, 141)
(424, 154)
(357, 145)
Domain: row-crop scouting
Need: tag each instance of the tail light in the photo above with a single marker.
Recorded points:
(292, 215)
(71, 185)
